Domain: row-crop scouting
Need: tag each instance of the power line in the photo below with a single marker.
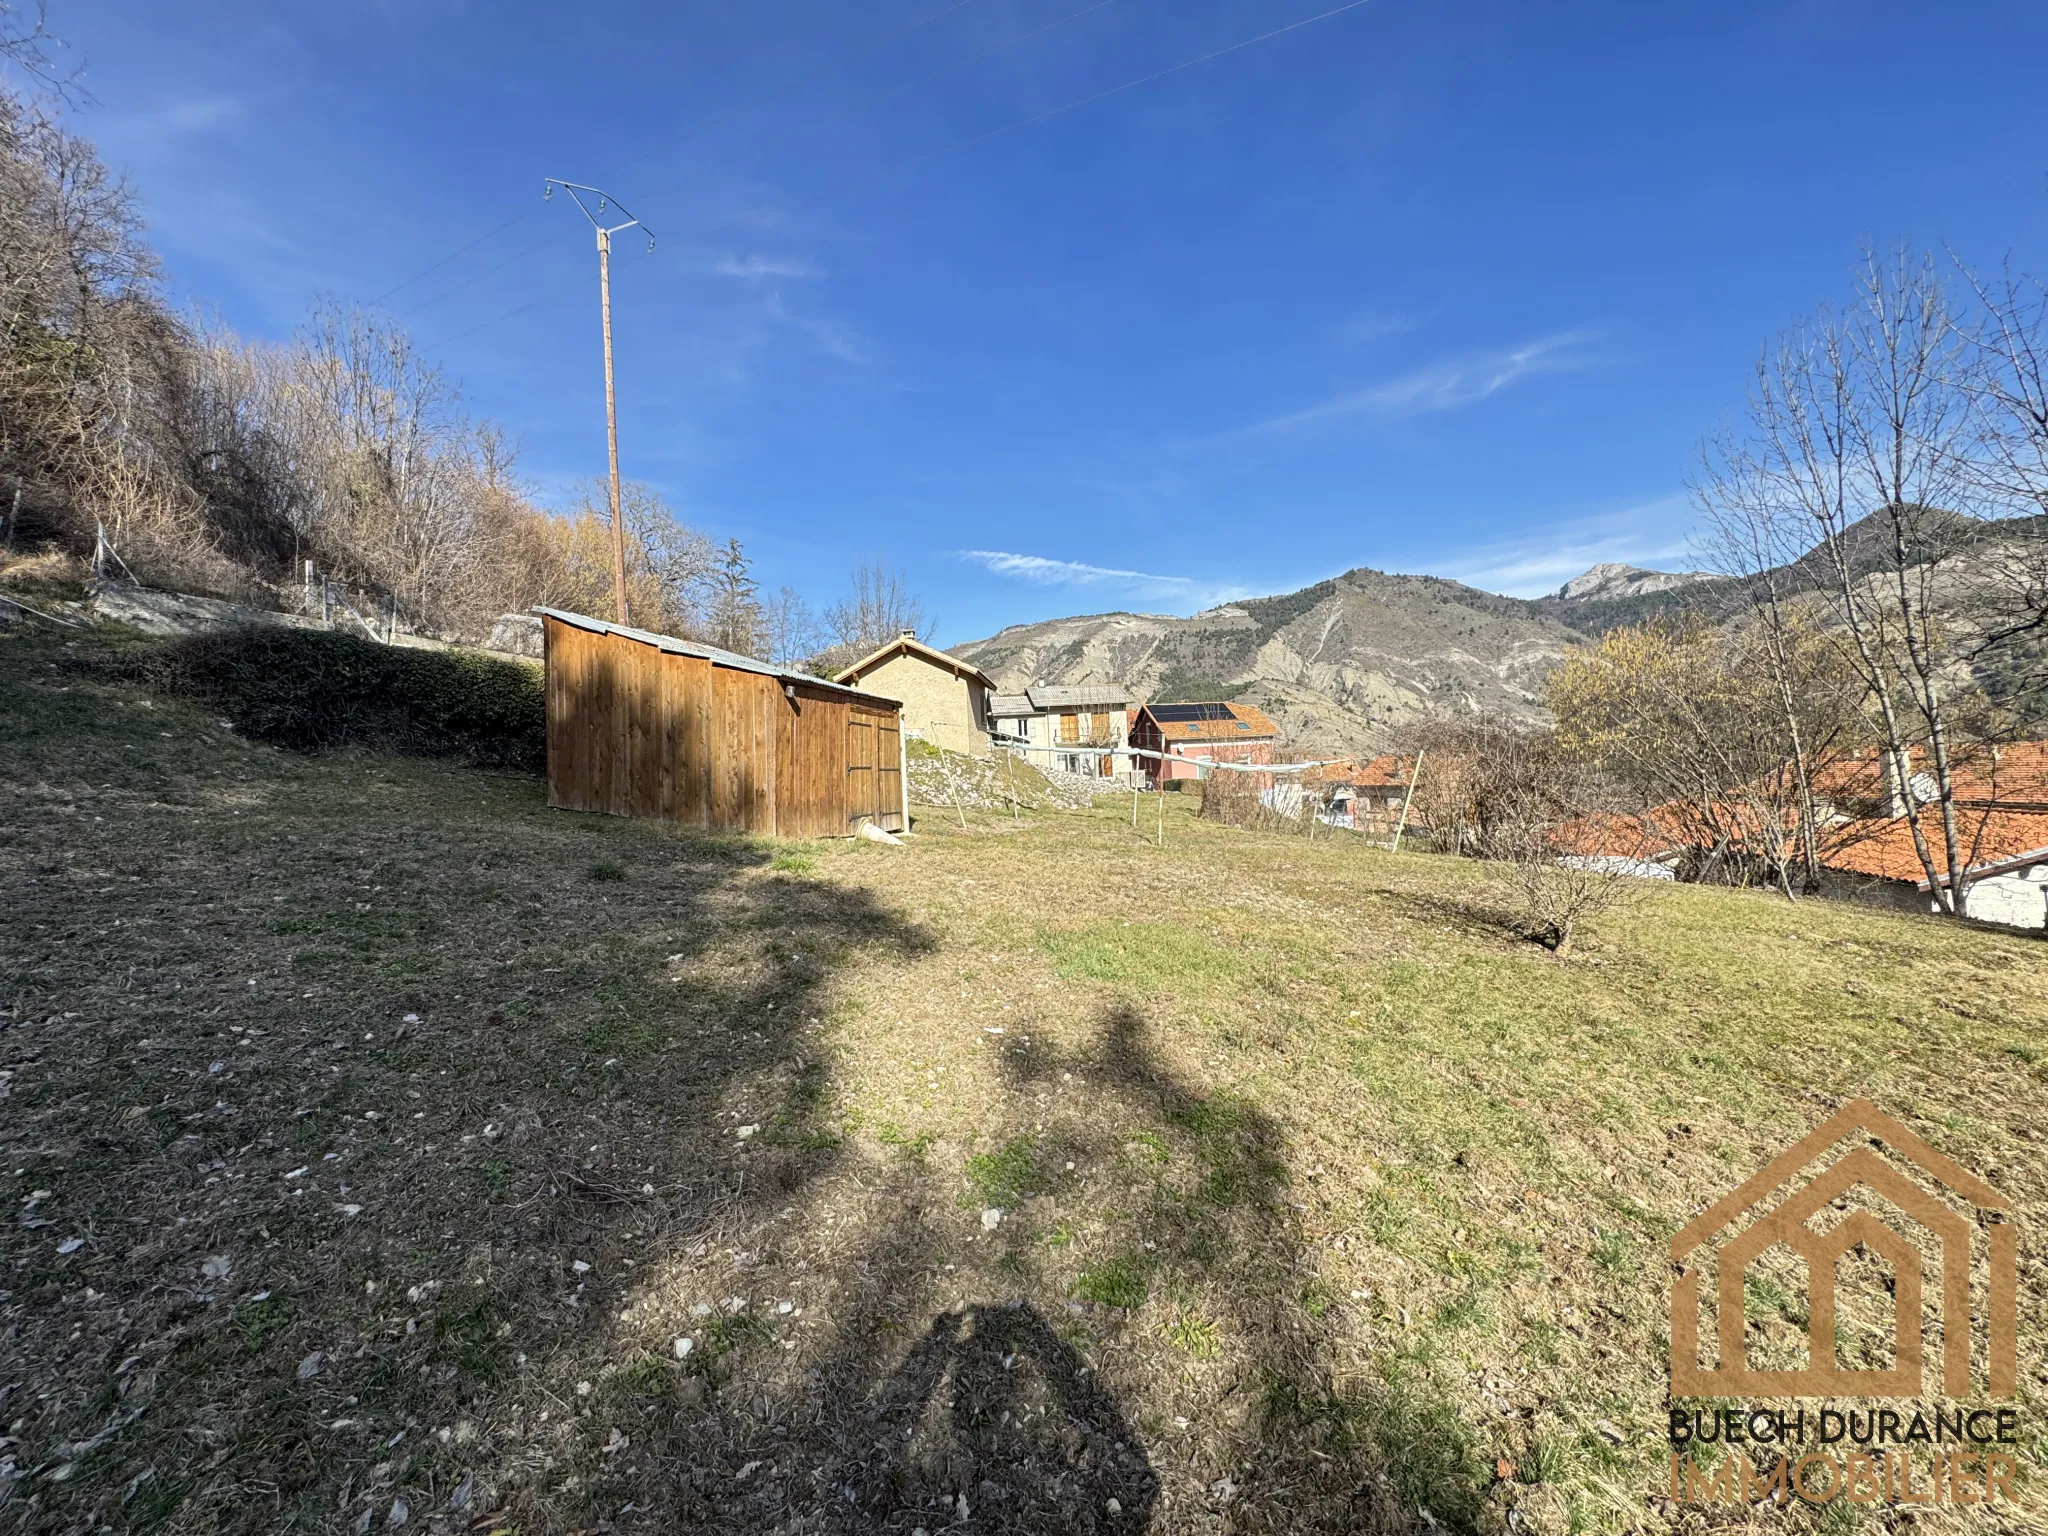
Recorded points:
(1161, 74)
(1025, 122)
(459, 250)
(955, 67)
(448, 341)
(716, 122)
(448, 293)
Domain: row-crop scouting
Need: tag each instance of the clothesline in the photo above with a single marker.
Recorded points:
(1171, 757)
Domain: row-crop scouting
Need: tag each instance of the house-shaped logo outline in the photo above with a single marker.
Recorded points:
(1823, 1375)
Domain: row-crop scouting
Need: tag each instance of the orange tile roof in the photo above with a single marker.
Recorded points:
(2015, 772)
(1884, 850)
(1247, 715)
(1389, 770)
(1607, 835)
(2020, 772)
(1875, 847)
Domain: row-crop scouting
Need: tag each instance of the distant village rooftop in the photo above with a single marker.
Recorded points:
(1041, 698)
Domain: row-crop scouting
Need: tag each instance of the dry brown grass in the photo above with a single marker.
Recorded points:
(1323, 1198)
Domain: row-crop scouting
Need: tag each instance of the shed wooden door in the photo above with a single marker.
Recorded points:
(889, 802)
(874, 773)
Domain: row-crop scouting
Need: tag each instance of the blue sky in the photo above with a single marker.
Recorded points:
(1453, 288)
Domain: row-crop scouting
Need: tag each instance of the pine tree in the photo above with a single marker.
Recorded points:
(735, 607)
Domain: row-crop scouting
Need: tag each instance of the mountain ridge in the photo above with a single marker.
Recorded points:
(1341, 663)
(1345, 662)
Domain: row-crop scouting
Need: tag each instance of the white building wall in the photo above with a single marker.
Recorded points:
(2018, 899)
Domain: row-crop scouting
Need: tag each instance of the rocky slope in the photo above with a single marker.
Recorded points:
(1343, 663)
(1609, 580)
(1339, 664)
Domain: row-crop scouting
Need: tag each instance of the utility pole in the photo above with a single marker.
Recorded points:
(577, 191)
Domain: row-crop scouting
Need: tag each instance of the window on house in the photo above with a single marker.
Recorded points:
(1070, 728)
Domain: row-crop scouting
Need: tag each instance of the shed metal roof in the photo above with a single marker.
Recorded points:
(710, 653)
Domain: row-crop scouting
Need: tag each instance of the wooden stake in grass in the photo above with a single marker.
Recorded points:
(1010, 766)
(1162, 811)
(1406, 801)
(951, 782)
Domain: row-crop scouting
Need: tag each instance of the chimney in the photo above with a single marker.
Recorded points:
(906, 634)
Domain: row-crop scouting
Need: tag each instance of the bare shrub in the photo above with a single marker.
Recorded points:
(1477, 781)
(1567, 833)
(1554, 887)
(1239, 800)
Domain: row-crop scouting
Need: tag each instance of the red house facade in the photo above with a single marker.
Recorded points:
(1194, 736)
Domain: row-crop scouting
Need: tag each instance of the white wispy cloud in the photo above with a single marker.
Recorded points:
(760, 268)
(199, 113)
(1655, 535)
(1043, 571)
(833, 337)
(1369, 325)
(1444, 385)
(180, 117)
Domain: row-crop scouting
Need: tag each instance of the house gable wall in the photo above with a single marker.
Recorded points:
(939, 705)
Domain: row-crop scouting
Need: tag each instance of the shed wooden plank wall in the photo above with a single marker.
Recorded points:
(637, 731)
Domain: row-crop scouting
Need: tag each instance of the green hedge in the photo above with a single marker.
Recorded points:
(315, 691)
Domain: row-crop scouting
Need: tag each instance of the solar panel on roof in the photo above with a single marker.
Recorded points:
(1174, 714)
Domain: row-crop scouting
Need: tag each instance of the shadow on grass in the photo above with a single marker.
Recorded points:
(1211, 1248)
(396, 1100)
(993, 1417)
(407, 1096)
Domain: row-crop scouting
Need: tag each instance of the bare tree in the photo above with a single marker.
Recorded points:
(27, 43)
(2012, 385)
(1860, 451)
(790, 632)
(878, 609)
(1718, 731)
(219, 465)
(1479, 774)
(1562, 829)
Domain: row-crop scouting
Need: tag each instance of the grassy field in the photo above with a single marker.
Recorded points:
(392, 1152)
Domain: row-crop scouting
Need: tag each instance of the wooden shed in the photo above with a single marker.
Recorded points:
(641, 724)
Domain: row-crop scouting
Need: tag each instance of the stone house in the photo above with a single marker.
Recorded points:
(945, 700)
(1089, 720)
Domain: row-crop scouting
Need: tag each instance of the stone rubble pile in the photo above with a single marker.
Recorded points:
(983, 784)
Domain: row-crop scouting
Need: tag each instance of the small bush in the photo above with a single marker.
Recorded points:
(315, 691)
